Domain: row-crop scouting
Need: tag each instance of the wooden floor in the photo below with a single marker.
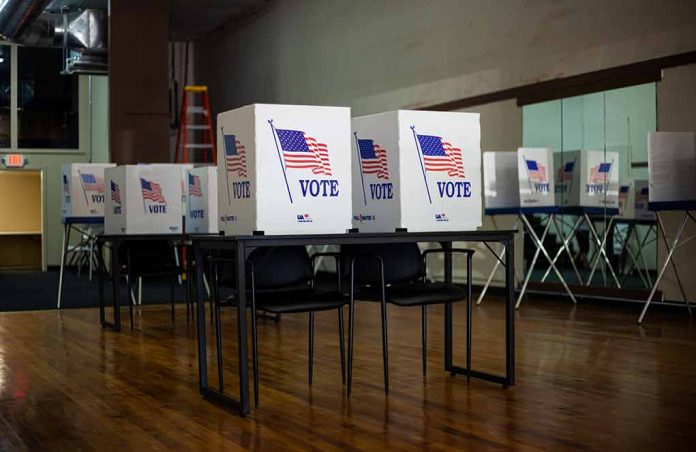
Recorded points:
(588, 377)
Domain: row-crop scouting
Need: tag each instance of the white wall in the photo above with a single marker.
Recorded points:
(387, 54)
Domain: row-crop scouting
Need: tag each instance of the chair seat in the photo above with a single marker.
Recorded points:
(294, 301)
(418, 294)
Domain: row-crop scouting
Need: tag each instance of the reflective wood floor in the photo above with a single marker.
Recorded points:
(588, 377)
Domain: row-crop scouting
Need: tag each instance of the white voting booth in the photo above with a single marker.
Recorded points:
(672, 186)
(416, 171)
(83, 190)
(536, 175)
(82, 209)
(183, 174)
(284, 169)
(143, 199)
(202, 206)
(500, 185)
(641, 198)
(589, 180)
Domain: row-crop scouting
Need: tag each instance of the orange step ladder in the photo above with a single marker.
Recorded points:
(189, 123)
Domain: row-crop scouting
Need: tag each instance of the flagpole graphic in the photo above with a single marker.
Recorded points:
(362, 176)
(227, 173)
(82, 184)
(420, 159)
(280, 159)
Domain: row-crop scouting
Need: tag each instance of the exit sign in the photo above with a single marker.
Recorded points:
(14, 160)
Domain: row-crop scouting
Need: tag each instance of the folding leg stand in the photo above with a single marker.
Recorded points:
(601, 249)
(69, 224)
(499, 261)
(565, 241)
(539, 243)
(670, 253)
(640, 243)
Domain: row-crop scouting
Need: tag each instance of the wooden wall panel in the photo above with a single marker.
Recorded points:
(138, 81)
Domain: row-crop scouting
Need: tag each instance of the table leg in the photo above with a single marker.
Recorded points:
(448, 309)
(200, 306)
(241, 329)
(101, 269)
(116, 283)
(510, 312)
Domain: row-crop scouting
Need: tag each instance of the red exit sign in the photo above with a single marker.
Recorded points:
(14, 160)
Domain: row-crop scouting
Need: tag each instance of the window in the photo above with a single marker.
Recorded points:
(5, 96)
(47, 101)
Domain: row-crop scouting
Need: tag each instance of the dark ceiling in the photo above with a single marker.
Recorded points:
(191, 19)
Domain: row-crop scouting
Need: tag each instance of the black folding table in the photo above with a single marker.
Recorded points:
(244, 245)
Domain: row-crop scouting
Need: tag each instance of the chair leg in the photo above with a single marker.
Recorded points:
(218, 343)
(385, 347)
(310, 361)
(424, 330)
(171, 294)
(341, 345)
(130, 300)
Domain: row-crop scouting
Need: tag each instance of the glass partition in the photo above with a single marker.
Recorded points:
(615, 121)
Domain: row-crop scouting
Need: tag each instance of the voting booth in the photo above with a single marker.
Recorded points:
(183, 174)
(536, 178)
(641, 200)
(284, 169)
(416, 171)
(627, 199)
(500, 182)
(143, 199)
(672, 167)
(589, 179)
(82, 187)
(202, 206)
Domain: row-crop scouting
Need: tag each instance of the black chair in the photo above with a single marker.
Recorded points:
(396, 274)
(155, 258)
(280, 281)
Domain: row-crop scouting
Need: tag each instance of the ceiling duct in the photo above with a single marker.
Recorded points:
(82, 34)
(17, 15)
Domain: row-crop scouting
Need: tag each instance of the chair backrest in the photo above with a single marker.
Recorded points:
(402, 263)
(273, 268)
(148, 253)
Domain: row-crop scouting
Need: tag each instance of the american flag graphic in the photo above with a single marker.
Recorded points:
(373, 158)
(439, 155)
(235, 155)
(301, 151)
(90, 182)
(115, 193)
(536, 171)
(600, 173)
(642, 198)
(66, 187)
(195, 188)
(623, 196)
(152, 191)
(565, 173)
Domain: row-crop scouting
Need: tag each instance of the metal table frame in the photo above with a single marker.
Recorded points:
(244, 245)
(688, 208)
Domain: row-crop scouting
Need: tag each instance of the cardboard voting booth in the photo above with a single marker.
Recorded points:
(536, 178)
(500, 182)
(82, 187)
(416, 171)
(627, 198)
(672, 166)
(641, 199)
(284, 169)
(202, 206)
(143, 199)
(589, 179)
(183, 173)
